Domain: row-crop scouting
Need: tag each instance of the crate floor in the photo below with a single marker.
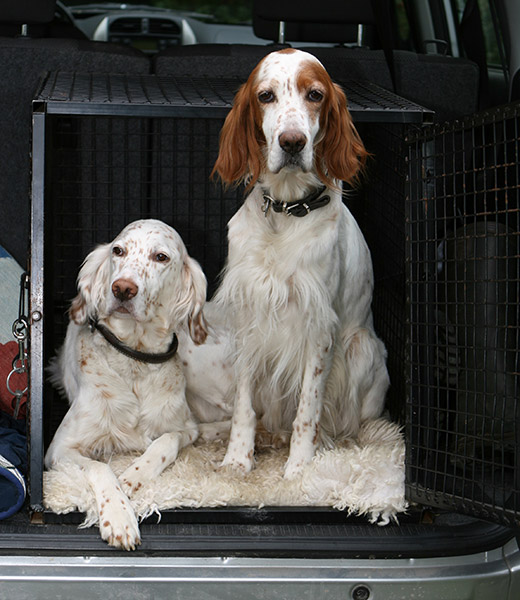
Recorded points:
(362, 477)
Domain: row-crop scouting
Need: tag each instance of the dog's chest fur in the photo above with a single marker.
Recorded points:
(281, 279)
(132, 402)
(276, 263)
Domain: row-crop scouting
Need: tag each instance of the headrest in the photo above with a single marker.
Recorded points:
(306, 32)
(27, 11)
(319, 21)
(347, 12)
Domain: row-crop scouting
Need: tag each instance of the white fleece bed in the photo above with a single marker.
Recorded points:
(362, 477)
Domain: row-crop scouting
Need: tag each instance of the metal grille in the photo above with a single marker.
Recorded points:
(445, 248)
(104, 172)
(147, 95)
(379, 208)
(463, 262)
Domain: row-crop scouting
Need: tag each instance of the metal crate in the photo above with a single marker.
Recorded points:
(463, 284)
(109, 149)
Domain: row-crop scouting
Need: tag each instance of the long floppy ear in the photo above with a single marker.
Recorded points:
(192, 299)
(340, 153)
(240, 156)
(92, 284)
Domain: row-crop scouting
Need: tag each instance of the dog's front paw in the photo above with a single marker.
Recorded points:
(118, 524)
(295, 465)
(293, 469)
(239, 463)
(133, 479)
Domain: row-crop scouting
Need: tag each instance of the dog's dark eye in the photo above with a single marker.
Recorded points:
(161, 257)
(266, 97)
(315, 96)
(117, 251)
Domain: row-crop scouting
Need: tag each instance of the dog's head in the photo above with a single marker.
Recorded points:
(145, 273)
(289, 115)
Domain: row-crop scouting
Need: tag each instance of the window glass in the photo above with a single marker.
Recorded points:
(404, 34)
(220, 11)
(488, 27)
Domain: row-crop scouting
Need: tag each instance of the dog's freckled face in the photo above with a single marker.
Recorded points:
(137, 269)
(289, 115)
(138, 276)
(291, 109)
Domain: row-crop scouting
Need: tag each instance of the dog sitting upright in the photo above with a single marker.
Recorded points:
(297, 286)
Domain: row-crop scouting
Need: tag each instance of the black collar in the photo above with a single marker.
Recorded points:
(146, 357)
(297, 208)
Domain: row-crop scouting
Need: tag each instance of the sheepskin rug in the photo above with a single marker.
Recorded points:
(362, 477)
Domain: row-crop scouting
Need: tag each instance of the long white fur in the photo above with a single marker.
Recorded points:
(296, 292)
(120, 405)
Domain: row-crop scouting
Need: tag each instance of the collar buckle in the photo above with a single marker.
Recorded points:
(287, 209)
(268, 201)
(297, 208)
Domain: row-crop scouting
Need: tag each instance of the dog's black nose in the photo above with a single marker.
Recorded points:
(124, 289)
(292, 141)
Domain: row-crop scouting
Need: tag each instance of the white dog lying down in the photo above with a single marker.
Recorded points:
(297, 288)
(134, 293)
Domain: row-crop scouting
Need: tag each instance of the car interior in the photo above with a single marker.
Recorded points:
(446, 162)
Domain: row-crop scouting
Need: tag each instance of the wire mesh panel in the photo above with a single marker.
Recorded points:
(463, 262)
(379, 208)
(105, 172)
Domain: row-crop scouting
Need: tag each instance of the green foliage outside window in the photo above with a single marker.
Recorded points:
(223, 11)
(488, 29)
(220, 11)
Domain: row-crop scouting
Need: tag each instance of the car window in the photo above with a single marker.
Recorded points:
(404, 32)
(218, 11)
(491, 31)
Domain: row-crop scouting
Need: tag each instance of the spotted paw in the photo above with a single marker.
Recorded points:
(239, 464)
(132, 480)
(294, 467)
(118, 524)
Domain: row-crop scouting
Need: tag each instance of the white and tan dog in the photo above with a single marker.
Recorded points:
(119, 369)
(297, 287)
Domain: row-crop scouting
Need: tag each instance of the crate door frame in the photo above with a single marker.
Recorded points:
(463, 197)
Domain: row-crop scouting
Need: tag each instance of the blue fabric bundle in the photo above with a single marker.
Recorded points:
(13, 442)
(13, 465)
